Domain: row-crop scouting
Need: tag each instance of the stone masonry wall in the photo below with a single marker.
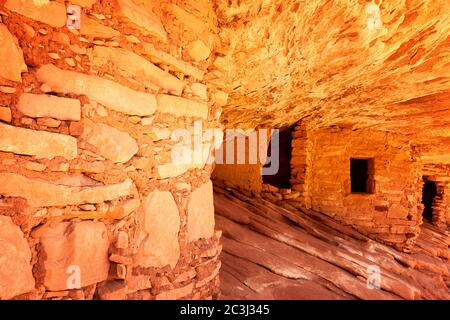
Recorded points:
(301, 163)
(392, 213)
(245, 176)
(440, 174)
(91, 205)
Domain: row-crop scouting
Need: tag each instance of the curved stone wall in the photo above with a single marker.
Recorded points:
(92, 205)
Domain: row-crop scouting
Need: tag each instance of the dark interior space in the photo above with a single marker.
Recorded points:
(359, 174)
(428, 195)
(282, 178)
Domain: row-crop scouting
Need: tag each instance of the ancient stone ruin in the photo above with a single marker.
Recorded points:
(114, 117)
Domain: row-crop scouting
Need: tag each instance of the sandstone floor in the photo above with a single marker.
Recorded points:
(281, 251)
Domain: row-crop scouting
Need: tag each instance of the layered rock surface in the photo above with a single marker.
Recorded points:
(91, 204)
(281, 251)
(289, 60)
(15, 257)
(81, 245)
(11, 52)
(86, 149)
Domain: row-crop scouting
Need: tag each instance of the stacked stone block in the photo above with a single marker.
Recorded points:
(91, 204)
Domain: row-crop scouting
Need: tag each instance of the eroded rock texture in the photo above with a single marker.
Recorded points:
(91, 205)
(354, 88)
(289, 60)
(283, 251)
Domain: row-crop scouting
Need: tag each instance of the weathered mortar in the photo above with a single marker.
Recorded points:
(85, 150)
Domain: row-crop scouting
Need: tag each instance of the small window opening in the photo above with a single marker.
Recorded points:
(361, 174)
(428, 195)
(282, 178)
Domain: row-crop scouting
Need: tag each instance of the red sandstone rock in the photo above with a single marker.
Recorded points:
(39, 193)
(182, 107)
(211, 275)
(147, 22)
(92, 28)
(76, 129)
(82, 244)
(185, 276)
(132, 65)
(397, 211)
(121, 240)
(112, 290)
(122, 209)
(200, 221)
(120, 259)
(177, 65)
(5, 114)
(161, 133)
(15, 261)
(52, 13)
(176, 294)
(263, 284)
(84, 3)
(11, 52)
(60, 199)
(199, 51)
(160, 221)
(48, 122)
(170, 170)
(200, 90)
(40, 144)
(118, 210)
(220, 98)
(109, 142)
(42, 106)
(106, 92)
(279, 62)
(193, 23)
(35, 166)
(137, 282)
(335, 248)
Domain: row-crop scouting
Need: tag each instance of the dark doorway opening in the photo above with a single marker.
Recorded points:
(361, 175)
(428, 195)
(282, 178)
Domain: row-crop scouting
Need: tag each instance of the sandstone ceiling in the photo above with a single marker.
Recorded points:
(288, 60)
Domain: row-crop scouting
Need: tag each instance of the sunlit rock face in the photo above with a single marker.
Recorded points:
(335, 63)
(91, 204)
(369, 80)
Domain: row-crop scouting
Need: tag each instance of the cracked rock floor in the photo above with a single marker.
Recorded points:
(281, 251)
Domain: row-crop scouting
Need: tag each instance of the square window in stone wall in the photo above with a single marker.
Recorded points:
(362, 175)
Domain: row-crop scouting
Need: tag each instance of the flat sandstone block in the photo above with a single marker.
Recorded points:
(172, 170)
(109, 142)
(84, 3)
(82, 245)
(92, 28)
(160, 221)
(15, 261)
(182, 107)
(40, 193)
(109, 93)
(11, 52)
(141, 17)
(47, 106)
(40, 144)
(132, 65)
(176, 64)
(200, 221)
(199, 51)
